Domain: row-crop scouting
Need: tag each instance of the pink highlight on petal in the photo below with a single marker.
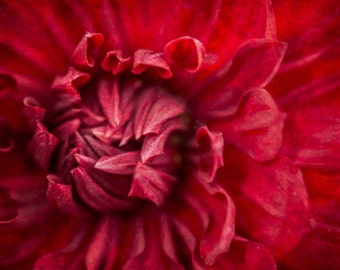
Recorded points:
(210, 147)
(42, 146)
(185, 52)
(119, 164)
(61, 195)
(83, 54)
(160, 111)
(95, 196)
(154, 144)
(256, 127)
(148, 60)
(151, 184)
(255, 63)
(71, 80)
(33, 110)
(115, 62)
(109, 99)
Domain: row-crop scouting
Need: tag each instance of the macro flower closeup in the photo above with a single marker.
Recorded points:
(169, 134)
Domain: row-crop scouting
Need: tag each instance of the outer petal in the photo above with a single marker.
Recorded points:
(313, 126)
(271, 200)
(318, 250)
(256, 128)
(205, 226)
(255, 63)
(243, 254)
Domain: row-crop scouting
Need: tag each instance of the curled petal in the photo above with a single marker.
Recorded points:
(185, 52)
(83, 55)
(33, 110)
(115, 62)
(210, 153)
(154, 144)
(151, 184)
(115, 185)
(146, 59)
(160, 111)
(255, 63)
(94, 195)
(257, 126)
(61, 195)
(71, 80)
(42, 146)
(206, 226)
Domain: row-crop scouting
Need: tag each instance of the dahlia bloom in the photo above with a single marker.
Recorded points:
(169, 135)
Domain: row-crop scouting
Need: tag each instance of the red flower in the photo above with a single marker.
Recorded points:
(140, 134)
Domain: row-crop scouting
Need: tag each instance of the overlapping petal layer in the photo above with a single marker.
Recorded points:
(132, 110)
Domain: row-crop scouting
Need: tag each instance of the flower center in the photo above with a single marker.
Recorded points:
(112, 136)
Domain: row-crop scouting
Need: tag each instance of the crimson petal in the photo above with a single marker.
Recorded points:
(42, 146)
(274, 191)
(210, 157)
(115, 62)
(94, 195)
(119, 164)
(185, 52)
(71, 80)
(258, 118)
(146, 59)
(244, 254)
(83, 54)
(61, 195)
(255, 63)
(206, 226)
(109, 99)
(151, 184)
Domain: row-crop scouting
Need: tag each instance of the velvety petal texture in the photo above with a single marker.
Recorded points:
(169, 134)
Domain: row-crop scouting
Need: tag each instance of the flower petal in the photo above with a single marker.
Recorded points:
(148, 60)
(185, 52)
(42, 146)
(206, 226)
(109, 99)
(71, 81)
(271, 198)
(257, 126)
(253, 56)
(83, 55)
(61, 195)
(159, 247)
(94, 195)
(236, 23)
(244, 254)
(119, 164)
(313, 126)
(115, 62)
(318, 250)
(151, 184)
(210, 154)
